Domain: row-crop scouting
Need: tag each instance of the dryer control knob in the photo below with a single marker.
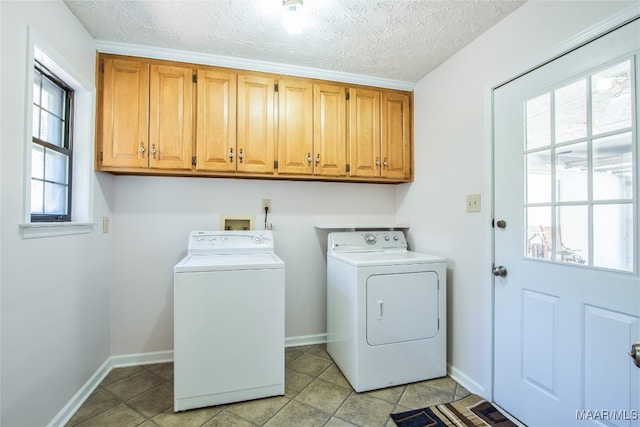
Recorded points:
(395, 237)
(386, 237)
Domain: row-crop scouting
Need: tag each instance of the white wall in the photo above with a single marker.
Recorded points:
(151, 220)
(452, 152)
(55, 290)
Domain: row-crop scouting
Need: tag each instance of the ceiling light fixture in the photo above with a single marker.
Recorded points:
(292, 17)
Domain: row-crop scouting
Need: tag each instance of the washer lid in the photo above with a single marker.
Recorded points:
(208, 262)
(366, 259)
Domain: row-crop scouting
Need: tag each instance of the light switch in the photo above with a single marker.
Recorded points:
(473, 202)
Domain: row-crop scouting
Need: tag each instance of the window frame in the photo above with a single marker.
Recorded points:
(66, 147)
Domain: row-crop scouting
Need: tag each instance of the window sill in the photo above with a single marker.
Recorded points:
(49, 229)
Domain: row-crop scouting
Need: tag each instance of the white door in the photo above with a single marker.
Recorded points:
(566, 210)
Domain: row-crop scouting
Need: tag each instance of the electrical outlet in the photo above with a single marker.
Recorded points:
(105, 224)
(266, 203)
(473, 202)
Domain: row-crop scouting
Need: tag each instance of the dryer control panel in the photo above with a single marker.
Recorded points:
(366, 241)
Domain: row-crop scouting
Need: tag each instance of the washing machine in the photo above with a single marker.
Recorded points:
(228, 319)
(386, 310)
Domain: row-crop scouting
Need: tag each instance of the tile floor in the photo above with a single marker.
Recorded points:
(316, 394)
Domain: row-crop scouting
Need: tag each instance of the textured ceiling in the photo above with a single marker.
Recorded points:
(400, 40)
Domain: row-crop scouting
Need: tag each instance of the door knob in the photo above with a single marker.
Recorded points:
(499, 271)
(635, 353)
(501, 223)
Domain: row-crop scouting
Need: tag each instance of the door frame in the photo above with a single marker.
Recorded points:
(605, 26)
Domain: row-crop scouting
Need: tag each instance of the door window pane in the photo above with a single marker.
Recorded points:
(538, 121)
(612, 167)
(572, 173)
(611, 93)
(537, 220)
(571, 111)
(613, 236)
(571, 236)
(539, 177)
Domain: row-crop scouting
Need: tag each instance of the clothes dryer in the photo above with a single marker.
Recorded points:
(386, 310)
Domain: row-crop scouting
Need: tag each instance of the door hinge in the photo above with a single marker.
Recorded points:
(275, 87)
(275, 164)
(348, 168)
(347, 95)
(194, 161)
(194, 78)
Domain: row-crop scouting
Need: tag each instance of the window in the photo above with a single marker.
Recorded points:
(580, 164)
(51, 151)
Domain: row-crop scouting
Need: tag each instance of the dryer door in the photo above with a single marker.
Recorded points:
(402, 307)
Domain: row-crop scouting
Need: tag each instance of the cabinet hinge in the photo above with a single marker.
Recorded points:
(194, 161)
(275, 87)
(275, 164)
(347, 95)
(102, 67)
(194, 78)
(100, 156)
(348, 168)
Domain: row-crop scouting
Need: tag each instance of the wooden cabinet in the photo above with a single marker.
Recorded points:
(295, 127)
(170, 117)
(163, 117)
(145, 116)
(216, 121)
(395, 143)
(123, 117)
(364, 133)
(329, 130)
(379, 134)
(256, 124)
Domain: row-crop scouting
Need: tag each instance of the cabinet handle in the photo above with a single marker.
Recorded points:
(231, 154)
(384, 163)
(377, 161)
(153, 150)
(317, 158)
(309, 158)
(240, 155)
(141, 149)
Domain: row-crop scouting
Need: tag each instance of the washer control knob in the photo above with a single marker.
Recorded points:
(370, 238)
(386, 237)
(258, 239)
(396, 238)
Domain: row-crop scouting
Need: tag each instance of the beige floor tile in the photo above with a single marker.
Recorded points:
(295, 382)
(418, 396)
(121, 416)
(98, 402)
(226, 419)
(260, 410)
(334, 375)
(391, 394)
(152, 402)
(129, 387)
(120, 373)
(364, 410)
(296, 414)
(337, 422)
(319, 350)
(445, 384)
(165, 370)
(291, 354)
(324, 395)
(310, 364)
(461, 392)
(191, 418)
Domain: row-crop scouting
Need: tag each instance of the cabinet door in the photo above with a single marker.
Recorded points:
(256, 137)
(329, 130)
(364, 133)
(216, 121)
(396, 135)
(125, 113)
(170, 117)
(295, 127)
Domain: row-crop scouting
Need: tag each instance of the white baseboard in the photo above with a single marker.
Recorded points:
(466, 382)
(305, 340)
(125, 360)
(81, 396)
